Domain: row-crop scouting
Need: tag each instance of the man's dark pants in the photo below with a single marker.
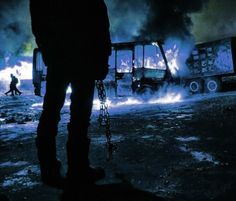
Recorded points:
(81, 97)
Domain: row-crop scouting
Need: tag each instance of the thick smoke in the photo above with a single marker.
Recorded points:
(15, 32)
(170, 18)
(217, 20)
(127, 18)
(152, 19)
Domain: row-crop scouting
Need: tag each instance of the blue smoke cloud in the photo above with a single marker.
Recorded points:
(15, 32)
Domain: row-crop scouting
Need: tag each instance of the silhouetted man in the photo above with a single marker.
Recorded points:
(75, 42)
(13, 88)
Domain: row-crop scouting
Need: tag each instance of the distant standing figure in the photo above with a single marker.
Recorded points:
(75, 42)
(13, 88)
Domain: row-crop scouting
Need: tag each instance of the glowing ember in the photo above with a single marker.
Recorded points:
(110, 104)
(129, 101)
(168, 98)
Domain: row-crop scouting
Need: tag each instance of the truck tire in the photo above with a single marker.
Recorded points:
(195, 86)
(212, 85)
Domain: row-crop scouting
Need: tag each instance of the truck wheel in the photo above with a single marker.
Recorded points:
(195, 86)
(212, 85)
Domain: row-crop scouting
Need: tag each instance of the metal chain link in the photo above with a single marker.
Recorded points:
(104, 117)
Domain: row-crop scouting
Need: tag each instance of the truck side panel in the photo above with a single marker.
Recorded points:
(211, 59)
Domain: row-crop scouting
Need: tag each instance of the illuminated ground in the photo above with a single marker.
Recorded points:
(181, 151)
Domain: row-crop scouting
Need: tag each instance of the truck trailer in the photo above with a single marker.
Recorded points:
(211, 66)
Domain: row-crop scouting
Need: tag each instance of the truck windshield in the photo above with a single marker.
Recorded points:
(124, 61)
(153, 58)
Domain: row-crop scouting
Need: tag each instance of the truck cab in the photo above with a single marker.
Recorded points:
(139, 67)
(134, 67)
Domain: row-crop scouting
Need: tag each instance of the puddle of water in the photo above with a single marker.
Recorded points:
(21, 179)
(187, 139)
(18, 131)
(13, 164)
(8, 126)
(149, 126)
(184, 149)
(103, 139)
(37, 105)
(29, 170)
(182, 116)
(201, 156)
(147, 136)
(9, 136)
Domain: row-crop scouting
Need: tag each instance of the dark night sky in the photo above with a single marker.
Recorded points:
(202, 19)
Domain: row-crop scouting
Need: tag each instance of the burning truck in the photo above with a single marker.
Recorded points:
(144, 66)
(135, 67)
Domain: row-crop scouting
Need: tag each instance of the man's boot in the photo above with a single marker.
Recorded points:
(50, 166)
(79, 169)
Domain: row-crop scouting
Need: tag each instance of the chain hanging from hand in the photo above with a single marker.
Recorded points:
(104, 117)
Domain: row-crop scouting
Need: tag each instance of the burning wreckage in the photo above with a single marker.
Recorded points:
(144, 66)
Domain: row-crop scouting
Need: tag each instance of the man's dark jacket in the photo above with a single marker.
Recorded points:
(72, 34)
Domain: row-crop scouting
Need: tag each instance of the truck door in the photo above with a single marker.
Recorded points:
(124, 70)
(150, 68)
